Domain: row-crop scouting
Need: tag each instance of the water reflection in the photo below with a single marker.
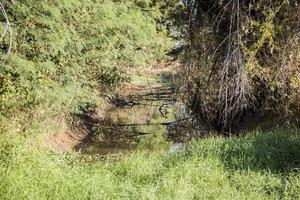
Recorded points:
(148, 119)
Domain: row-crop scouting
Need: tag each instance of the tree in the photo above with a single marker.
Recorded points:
(244, 56)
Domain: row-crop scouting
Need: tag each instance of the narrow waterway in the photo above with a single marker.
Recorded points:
(149, 116)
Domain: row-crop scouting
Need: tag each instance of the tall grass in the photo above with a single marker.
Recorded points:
(254, 166)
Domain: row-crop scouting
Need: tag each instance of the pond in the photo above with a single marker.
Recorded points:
(149, 116)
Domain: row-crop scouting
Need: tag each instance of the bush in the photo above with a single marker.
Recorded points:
(67, 52)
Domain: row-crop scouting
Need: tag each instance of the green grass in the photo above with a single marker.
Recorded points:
(254, 166)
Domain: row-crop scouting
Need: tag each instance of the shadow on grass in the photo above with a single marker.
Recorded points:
(278, 152)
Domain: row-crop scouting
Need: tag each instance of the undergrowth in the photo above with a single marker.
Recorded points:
(69, 54)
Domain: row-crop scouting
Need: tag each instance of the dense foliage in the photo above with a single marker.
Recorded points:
(70, 52)
(242, 58)
(63, 56)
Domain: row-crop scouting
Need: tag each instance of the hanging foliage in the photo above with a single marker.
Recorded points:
(242, 58)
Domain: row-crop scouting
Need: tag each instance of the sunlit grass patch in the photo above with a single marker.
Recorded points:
(254, 166)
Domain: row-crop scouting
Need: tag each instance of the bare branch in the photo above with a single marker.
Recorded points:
(8, 31)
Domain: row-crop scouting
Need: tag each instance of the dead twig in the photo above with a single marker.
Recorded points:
(7, 31)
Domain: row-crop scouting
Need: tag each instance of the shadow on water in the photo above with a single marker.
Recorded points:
(148, 118)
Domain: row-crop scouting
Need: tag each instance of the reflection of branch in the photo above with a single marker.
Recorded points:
(150, 124)
(138, 133)
(125, 131)
(161, 111)
(160, 87)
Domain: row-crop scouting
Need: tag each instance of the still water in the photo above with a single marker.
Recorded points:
(149, 117)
